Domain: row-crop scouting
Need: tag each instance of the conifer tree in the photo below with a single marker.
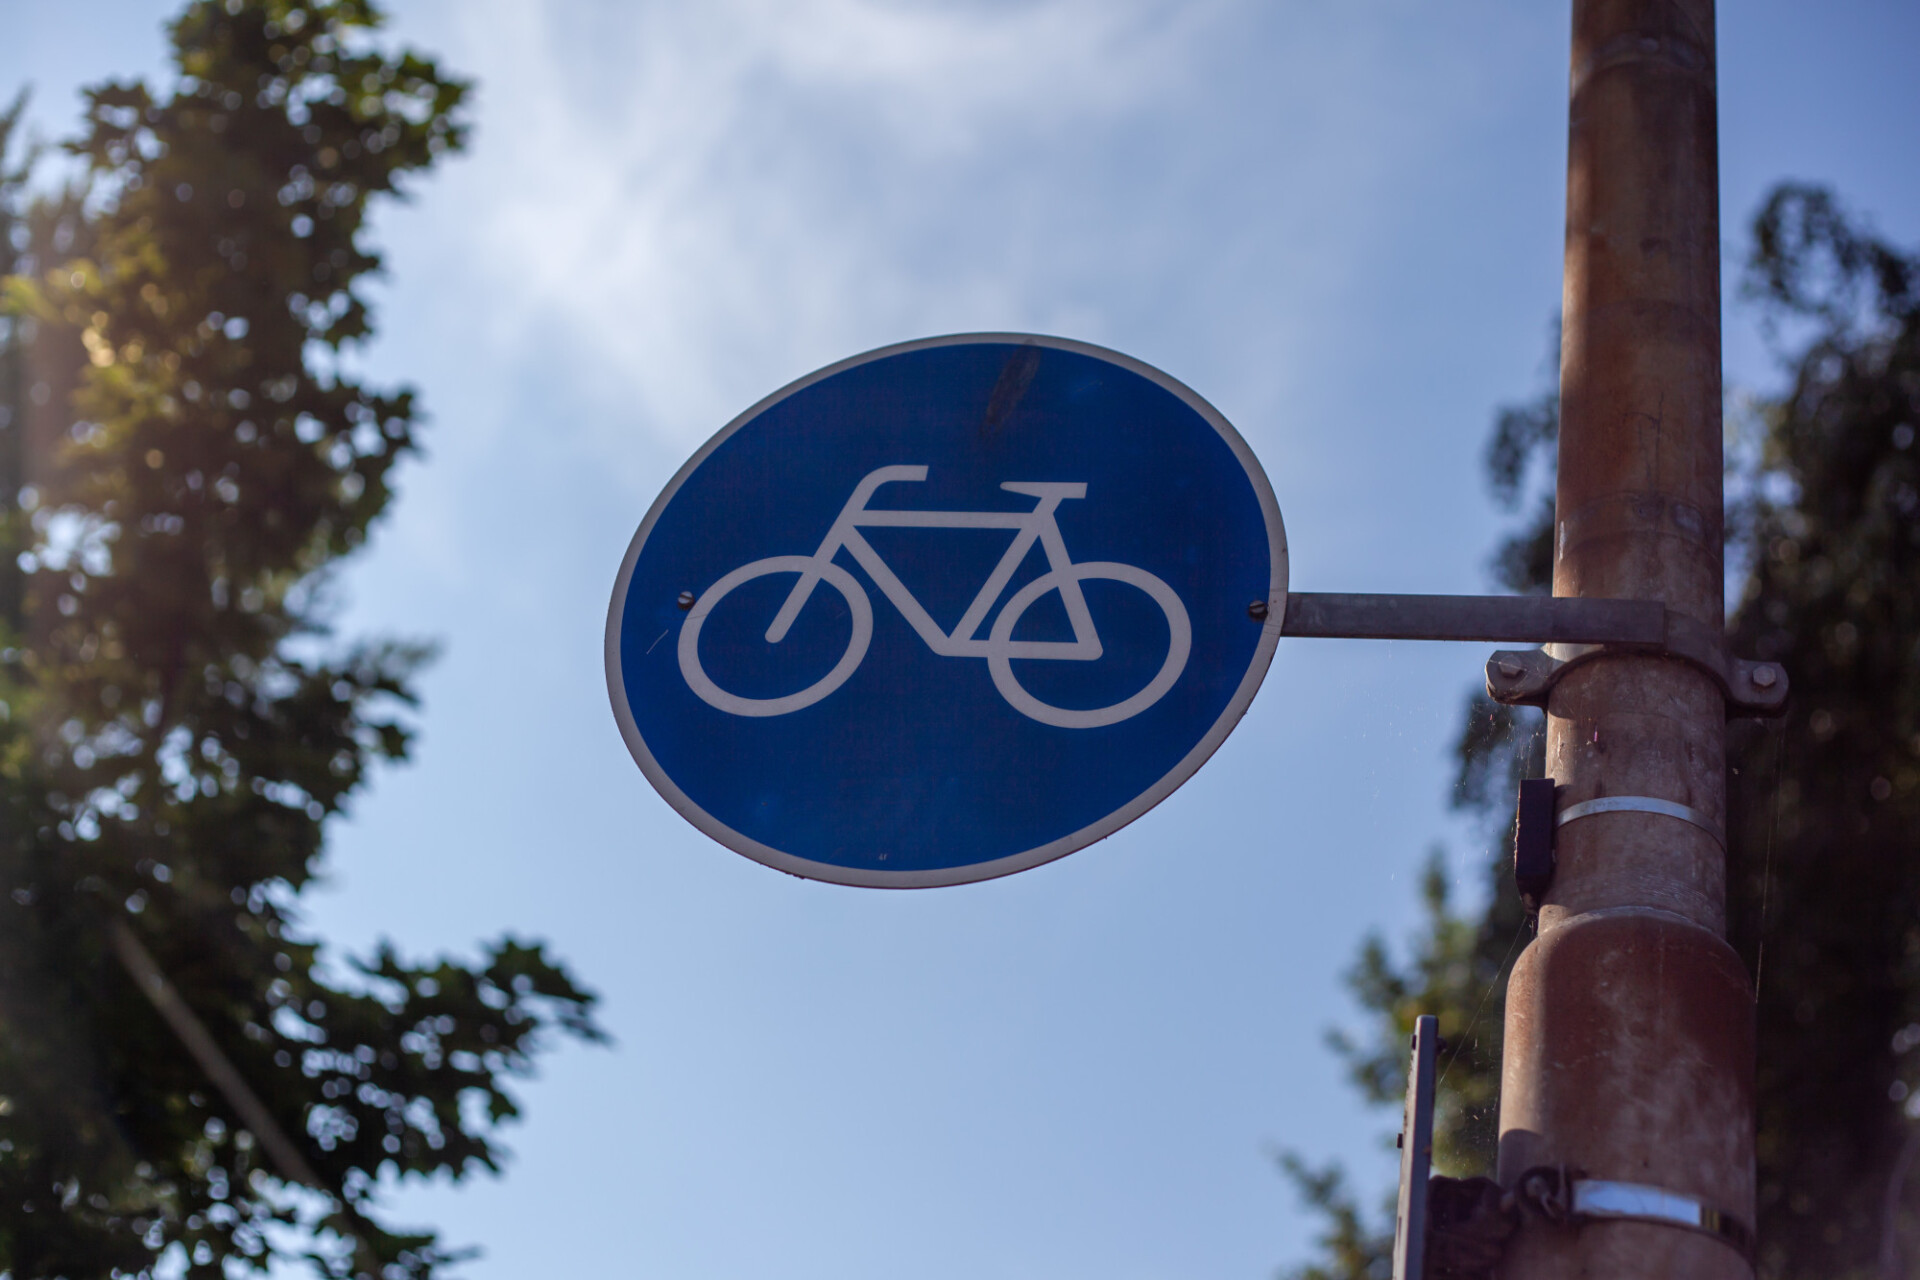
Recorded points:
(1824, 837)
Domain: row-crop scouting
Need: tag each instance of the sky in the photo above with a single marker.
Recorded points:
(1341, 224)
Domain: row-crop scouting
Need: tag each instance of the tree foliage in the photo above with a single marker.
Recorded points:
(188, 455)
(1824, 882)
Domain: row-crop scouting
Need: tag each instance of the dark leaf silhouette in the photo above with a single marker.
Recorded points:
(1824, 881)
(184, 455)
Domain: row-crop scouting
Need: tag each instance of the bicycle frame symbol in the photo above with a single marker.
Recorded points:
(998, 646)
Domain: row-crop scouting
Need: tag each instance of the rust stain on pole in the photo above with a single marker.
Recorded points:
(1629, 1042)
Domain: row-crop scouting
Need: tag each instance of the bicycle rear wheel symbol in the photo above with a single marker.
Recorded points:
(998, 646)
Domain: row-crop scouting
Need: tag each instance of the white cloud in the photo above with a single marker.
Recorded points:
(685, 196)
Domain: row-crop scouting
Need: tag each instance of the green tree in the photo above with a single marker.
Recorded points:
(1824, 880)
(1824, 884)
(191, 454)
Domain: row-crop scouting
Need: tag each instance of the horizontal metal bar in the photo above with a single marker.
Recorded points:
(1541, 619)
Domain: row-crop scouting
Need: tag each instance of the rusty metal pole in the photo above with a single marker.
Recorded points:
(1629, 1034)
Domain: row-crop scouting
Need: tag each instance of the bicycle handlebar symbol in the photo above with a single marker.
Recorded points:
(998, 647)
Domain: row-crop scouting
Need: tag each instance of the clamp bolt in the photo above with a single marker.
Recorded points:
(1257, 610)
(685, 600)
(1509, 668)
(1763, 677)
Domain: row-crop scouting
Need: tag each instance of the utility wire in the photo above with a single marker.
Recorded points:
(1466, 1037)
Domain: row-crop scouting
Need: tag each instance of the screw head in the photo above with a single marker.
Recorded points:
(1509, 668)
(1257, 610)
(1763, 677)
(685, 600)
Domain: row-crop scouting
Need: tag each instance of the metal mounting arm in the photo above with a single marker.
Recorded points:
(1542, 619)
(1575, 629)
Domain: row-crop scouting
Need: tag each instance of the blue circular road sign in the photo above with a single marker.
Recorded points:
(946, 610)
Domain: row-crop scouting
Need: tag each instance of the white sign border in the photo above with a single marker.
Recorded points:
(1189, 764)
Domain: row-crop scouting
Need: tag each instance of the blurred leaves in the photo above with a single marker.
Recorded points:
(1824, 877)
(188, 452)
(1824, 861)
(1350, 1248)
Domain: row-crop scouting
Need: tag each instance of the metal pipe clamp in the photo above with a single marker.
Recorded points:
(1595, 1198)
(1642, 804)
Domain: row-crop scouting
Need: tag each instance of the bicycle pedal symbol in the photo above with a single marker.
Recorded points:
(998, 646)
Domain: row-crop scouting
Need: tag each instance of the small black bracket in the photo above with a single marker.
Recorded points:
(1469, 1223)
(1533, 828)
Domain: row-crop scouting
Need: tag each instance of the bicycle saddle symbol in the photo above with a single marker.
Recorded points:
(998, 646)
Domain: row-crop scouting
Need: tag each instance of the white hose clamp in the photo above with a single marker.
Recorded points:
(1642, 804)
(1568, 1198)
(1632, 1202)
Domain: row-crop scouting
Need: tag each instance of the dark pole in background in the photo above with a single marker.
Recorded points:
(1629, 1040)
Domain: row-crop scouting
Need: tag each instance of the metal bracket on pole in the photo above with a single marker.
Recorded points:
(1570, 1198)
(1751, 689)
(1642, 804)
(1574, 629)
(1533, 828)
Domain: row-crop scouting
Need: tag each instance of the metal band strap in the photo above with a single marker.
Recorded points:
(1593, 1198)
(1641, 804)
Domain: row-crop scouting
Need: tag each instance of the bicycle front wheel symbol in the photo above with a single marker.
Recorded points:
(858, 605)
(1002, 648)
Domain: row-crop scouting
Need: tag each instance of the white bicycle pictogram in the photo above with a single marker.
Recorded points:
(998, 646)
